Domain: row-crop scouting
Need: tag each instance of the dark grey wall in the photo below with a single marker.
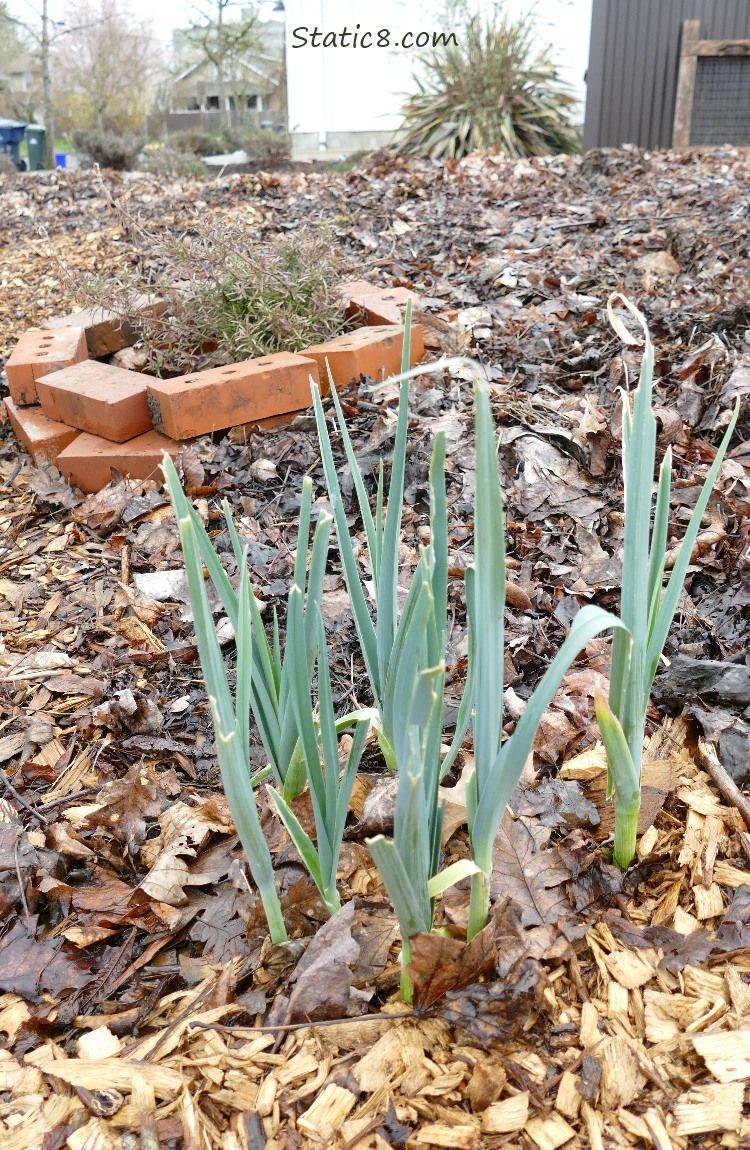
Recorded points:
(633, 62)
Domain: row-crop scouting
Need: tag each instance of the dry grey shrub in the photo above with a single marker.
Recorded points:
(229, 294)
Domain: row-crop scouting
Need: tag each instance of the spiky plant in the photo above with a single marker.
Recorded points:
(493, 90)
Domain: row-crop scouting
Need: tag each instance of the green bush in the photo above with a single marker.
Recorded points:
(194, 141)
(263, 147)
(113, 150)
(170, 163)
(493, 91)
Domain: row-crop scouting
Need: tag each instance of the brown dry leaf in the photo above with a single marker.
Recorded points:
(194, 473)
(439, 964)
(323, 976)
(103, 511)
(125, 804)
(531, 875)
(31, 966)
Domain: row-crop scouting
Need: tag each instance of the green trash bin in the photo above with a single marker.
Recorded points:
(36, 139)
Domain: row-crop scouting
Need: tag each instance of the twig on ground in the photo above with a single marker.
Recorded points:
(727, 787)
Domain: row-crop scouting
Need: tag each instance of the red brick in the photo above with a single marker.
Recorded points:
(89, 459)
(97, 398)
(352, 291)
(43, 438)
(37, 353)
(148, 305)
(223, 397)
(242, 432)
(371, 351)
(388, 306)
(379, 305)
(105, 331)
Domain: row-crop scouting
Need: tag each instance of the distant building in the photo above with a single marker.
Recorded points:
(21, 87)
(635, 68)
(348, 96)
(252, 89)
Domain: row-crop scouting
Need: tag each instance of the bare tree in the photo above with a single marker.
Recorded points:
(43, 32)
(106, 67)
(223, 43)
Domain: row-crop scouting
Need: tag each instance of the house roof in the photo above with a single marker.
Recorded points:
(270, 79)
(24, 62)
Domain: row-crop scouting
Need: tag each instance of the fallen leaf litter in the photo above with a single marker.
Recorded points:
(599, 1010)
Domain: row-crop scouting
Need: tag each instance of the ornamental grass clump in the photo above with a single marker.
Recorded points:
(489, 87)
(410, 862)
(318, 740)
(646, 608)
(275, 689)
(230, 717)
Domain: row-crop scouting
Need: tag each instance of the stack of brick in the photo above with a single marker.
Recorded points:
(87, 417)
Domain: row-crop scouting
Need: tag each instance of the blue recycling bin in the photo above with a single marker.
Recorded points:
(11, 135)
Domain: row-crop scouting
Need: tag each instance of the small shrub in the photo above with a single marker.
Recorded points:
(263, 148)
(493, 91)
(230, 296)
(113, 150)
(169, 163)
(194, 141)
(7, 167)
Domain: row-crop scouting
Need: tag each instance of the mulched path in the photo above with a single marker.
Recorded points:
(136, 977)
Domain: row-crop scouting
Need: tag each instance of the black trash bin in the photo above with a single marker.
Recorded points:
(11, 135)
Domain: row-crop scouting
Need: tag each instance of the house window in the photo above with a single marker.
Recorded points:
(252, 101)
(212, 103)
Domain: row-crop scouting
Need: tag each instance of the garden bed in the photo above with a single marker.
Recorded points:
(609, 1010)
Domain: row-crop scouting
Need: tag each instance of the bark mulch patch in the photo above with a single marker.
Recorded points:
(141, 1002)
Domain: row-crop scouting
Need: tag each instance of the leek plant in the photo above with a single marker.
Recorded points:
(498, 765)
(269, 682)
(409, 863)
(647, 608)
(382, 640)
(230, 719)
(329, 794)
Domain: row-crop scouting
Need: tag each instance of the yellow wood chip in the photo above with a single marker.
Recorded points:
(506, 1117)
(726, 1054)
(708, 903)
(450, 1135)
(632, 968)
(708, 1108)
(550, 1131)
(327, 1112)
(111, 1074)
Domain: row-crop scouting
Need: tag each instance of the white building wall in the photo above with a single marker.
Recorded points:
(343, 97)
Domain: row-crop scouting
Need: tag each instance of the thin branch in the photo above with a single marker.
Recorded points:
(729, 790)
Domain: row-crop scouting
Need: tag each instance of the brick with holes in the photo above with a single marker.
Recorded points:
(105, 331)
(371, 351)
(224, 397)
(38, 353)
(379, 306)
